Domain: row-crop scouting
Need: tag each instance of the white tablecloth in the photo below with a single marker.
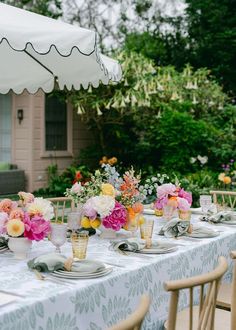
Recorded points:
(98, 303)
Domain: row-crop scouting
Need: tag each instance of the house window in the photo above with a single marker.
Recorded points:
(56, 132)
(5, 128)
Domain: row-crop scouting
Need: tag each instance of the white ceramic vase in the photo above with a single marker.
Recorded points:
(20, 246)
(107, 232)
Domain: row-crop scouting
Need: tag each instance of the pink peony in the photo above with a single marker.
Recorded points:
(89, 209)
(3, 222)
(17, 214)
(6, 205)
(183, 204)
(36, 228)
(160, 203)
(117, 218)
(165, 190)
(187, 195)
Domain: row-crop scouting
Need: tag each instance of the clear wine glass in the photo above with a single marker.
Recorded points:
(205, 202)
(58, 235)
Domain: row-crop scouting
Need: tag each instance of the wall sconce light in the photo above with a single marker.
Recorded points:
(20, 115)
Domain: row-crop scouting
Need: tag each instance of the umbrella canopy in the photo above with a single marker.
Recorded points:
(37, 51)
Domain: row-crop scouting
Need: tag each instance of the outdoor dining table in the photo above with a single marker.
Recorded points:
(95, 304)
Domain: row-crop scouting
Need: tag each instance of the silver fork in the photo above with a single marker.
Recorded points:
(42, 277)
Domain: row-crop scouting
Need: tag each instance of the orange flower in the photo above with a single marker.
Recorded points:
(131, 213)
(78, 175)
(173, 201)
(104, 160)
(112, 161)
(6, 205)
(137, 207)
(227, 180)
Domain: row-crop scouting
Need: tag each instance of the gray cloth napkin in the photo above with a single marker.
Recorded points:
(220, 217)
(3, 242)
(131, 245)
(176, 228)
(54, 261)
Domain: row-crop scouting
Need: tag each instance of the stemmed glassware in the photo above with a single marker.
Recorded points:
(205, 202)
(58, 235)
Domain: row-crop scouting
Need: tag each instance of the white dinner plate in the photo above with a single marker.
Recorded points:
(76, 274)
(161, 248)
(68, 275)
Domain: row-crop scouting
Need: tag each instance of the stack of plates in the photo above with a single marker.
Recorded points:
(3, 249)
(81, 275)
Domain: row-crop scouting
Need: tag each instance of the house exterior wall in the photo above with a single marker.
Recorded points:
(28, 140)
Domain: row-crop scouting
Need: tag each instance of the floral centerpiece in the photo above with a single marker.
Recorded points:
(109, 199)
(174, 196)
(28, 219)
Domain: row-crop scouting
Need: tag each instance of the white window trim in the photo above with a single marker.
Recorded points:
(58, 153)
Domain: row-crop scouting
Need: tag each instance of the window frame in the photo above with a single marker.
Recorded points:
(58, 153)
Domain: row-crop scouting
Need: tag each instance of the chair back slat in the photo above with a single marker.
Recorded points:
(190, 308)
(61, 206)
(207, 302)
(233, 293)
(224, 198)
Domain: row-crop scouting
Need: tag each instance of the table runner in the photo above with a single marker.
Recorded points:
(96, 304)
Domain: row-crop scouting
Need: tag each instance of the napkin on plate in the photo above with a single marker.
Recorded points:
(3, 242)
(53, 261)
(176, 228)
(131, 245)
(220, 217)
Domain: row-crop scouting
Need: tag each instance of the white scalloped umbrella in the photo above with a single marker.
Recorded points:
(36, 51)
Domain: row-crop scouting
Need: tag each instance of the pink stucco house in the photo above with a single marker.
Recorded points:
(39, 130)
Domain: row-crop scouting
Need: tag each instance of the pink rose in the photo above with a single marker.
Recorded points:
(183, 204)
(17, 214)
(117, 218)
(36, 228)
(76, 188)
(187, 195)
(165, 190)
(89, 210)
(3, 222)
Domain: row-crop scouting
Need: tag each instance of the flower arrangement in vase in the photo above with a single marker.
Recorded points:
(172, 197)
(25, 221)
(109, 200)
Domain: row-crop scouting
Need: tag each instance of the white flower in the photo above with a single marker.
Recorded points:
(103, 205)
(76, 188)
(41, 207)
(193, 160)
(203, 160)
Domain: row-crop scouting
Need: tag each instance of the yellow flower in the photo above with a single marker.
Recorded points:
(108, 189)
(95, 223)
(221, 177)
(85, 223)
(227, 180)
(15, 227)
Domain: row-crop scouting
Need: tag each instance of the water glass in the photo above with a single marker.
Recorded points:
(79, 244)
(205, 202)
(146, 230)
(132, 224)
(73, 221)
(168, 212)
(58, 235)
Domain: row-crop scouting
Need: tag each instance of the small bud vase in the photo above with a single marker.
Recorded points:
(20, 246)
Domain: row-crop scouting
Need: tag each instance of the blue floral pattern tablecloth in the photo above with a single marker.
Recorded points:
(96, 304)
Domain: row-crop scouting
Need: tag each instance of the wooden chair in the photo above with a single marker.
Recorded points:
(196, 317)
(227, 292)
(224, 198)
(62, 206)
(134, 321)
